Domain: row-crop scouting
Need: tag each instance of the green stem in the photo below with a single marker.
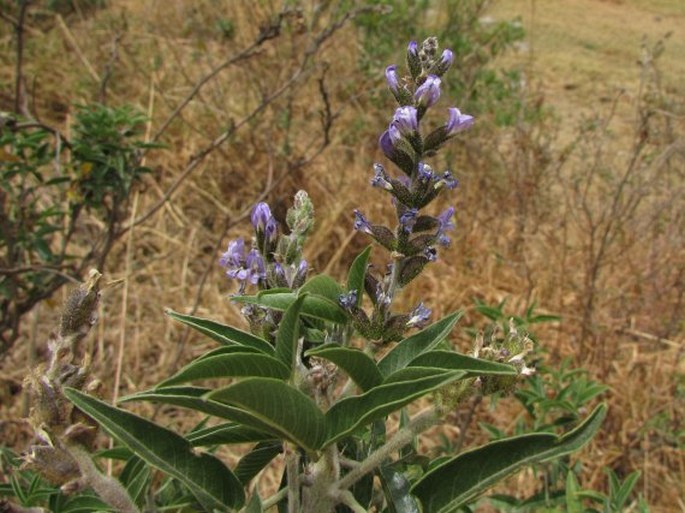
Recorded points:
(427, 418)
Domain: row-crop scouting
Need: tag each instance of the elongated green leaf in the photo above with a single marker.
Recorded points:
(456, 482)
(288, 335)
(259, 457)
(222, 333)
(396, 490)
(212, 483)
(358, 365)
(84, 504)
(286, 410)
(349, 414)
(224, 434)
(135, 477)
(194, 398)
(255, 504)
(324, 286)
(314, 306)
(357, 273)
(228, 350)
(228, 366)
(418, 343)
(456, 361)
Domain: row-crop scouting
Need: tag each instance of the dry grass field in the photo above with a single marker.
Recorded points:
(241, 124)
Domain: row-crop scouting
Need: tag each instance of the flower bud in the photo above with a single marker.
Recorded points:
(392, 80)
(413, 60)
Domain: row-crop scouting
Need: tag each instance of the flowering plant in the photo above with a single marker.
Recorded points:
(316, 380)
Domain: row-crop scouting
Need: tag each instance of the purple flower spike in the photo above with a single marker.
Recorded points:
(406, 120)
(457, 122)
(419, 316)
(408, 219)
(360, 222)
(391, 78)
(446, 60)
(413, 49)
(261, 214)
(234, 255)
(429, 92)
(380, 179)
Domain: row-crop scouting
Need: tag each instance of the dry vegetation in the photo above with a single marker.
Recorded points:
(539, 217)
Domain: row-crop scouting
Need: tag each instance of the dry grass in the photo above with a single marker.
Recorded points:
(521, 246)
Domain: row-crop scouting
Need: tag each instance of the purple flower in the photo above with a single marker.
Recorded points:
(446, 60)
(360, 222)
(430, 254)
(457, 122)
(445, 220)
(234, 255)
(429, 92)
(380, 179)
(254, 267)
(391, 79)
(408, 219)
(349, 300)
(386, 144)
(263, 221)
(425, 173)
(261, 214)
(406, 121)
(419, 316)
(413, 49)
(446, 180)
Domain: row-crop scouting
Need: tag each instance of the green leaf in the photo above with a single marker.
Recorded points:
(323, 285)
(314, 306)
(84, 504)
(457, 361)
(228, 366)
(349, 414)
(255, 504)
(212, 483)
(195, 398)
(418, 343)
(357, 364)
(288, 335)
(227, 433)
(456, 482)
(284, 409)
(357, 273)
(396, 490)
(573, 502)
(222, 333)
(136, 477)
(259, 457)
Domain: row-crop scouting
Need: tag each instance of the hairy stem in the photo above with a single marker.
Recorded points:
(110, 490)
(427, 418)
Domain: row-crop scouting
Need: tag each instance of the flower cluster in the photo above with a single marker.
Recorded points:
(274, 259)
(413, 242)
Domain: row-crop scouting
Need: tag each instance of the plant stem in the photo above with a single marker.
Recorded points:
(404, 436)
(274, 499)
(108, 489)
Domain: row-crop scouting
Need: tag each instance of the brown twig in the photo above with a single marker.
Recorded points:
(19, 71)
